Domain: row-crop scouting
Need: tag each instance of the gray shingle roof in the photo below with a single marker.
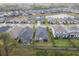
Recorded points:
(4, 28)
(41, 33)
(26, 34)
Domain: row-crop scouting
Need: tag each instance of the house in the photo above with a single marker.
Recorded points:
(59, 31)
(51, 20)
(69, 32)
(15, 31)
(41, 34)
(36, 11)
(4, 28)
(40, 18)
(26, 35)
(2, 19)
(69, 21)
(1, 14)
(16, 13)
(73, 31)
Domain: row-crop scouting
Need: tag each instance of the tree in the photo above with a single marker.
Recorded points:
(1, 45)
(5, 37)
(34, 29)
(7, 42)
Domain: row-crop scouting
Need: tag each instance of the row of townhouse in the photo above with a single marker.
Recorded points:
(61, 31)
(13, 13)
(39, 11)
(55, 10)
(25, 34)
(51, 19)
(63, 18)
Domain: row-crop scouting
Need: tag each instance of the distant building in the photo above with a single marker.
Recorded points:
(1, 14)
(40, 18)
(51, 20)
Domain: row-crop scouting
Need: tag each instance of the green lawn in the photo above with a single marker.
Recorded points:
(47, 44)
(62, 43)
(76, 42)
(21, 51)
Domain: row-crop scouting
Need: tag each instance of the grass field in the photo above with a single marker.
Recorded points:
(22, 52)
(76, 42)
(47, 44)
(55, 53)
(62, 43)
